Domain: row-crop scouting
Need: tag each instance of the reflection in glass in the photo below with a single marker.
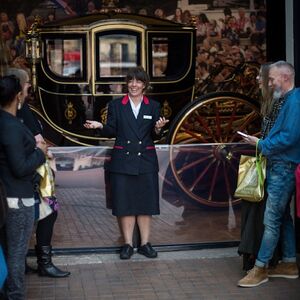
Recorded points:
(160, 56)
(211, 217)
(169, 55)
(118, 53)
(64, 57)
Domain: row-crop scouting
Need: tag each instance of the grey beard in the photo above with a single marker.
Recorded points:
(277, 94)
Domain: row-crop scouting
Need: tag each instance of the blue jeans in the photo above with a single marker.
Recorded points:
(277, 218)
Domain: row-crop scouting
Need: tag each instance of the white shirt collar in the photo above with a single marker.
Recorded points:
(135, 109)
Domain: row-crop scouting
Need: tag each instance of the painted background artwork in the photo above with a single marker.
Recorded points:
(228, 32)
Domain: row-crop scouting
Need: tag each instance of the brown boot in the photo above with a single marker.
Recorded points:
(284, 270)
(255, 277)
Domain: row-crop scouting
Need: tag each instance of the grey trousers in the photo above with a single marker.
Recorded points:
(19, 226)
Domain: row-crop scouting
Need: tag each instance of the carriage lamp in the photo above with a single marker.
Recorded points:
(33, 50)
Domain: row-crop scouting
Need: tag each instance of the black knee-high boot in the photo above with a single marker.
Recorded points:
(45, 265)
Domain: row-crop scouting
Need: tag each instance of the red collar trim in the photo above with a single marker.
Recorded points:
(126, 99)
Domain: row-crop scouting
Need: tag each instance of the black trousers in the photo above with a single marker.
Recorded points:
(44, 230)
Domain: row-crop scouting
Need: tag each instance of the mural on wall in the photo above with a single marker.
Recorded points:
(229, 32)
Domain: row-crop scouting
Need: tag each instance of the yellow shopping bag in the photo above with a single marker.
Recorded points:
(251, 178)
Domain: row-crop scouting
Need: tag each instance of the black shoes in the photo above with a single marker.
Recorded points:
(126, 252)
(147, 250)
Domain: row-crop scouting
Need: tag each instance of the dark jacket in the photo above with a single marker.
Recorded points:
(28, 118)
(134, 152)
(19, 156)
(3, 206)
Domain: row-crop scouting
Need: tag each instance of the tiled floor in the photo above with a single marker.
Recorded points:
(84, 221)
(201, 274)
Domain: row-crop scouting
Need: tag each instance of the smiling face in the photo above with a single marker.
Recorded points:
(135, 88)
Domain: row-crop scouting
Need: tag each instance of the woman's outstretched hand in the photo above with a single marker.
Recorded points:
(160, 124)
(92, 124)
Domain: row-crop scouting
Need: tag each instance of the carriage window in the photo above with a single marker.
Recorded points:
(64, 57)
(159, 56)
(169, 54)
(117, 52)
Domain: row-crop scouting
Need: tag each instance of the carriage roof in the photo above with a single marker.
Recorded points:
(90, 20)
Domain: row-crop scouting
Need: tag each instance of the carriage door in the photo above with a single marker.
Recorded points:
(116, 51)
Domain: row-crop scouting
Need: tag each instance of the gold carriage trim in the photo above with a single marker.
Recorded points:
(70, 113)
(103, 114)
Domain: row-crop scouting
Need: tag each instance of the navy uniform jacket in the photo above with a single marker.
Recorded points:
(134, 152)
(19, 157)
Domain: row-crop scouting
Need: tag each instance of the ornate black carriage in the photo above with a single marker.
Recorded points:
(79, 65)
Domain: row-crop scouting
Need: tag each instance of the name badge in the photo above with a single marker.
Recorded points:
(147, 117)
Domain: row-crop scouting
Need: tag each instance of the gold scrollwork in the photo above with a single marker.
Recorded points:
(103, 114)
(70, 113)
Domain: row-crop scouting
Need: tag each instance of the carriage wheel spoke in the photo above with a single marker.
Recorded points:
(194, 163)
(191, 188)
(213, 182)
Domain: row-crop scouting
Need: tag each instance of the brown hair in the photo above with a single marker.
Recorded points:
(138, 73)
(266, 91)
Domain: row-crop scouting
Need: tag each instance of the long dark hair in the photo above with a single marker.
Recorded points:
(266, 91)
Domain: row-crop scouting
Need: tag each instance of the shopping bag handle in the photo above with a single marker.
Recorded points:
(258, 165)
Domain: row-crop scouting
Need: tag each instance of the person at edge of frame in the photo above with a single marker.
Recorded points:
(20, 156)
(45, 226)
(281, 147)
(252, 213)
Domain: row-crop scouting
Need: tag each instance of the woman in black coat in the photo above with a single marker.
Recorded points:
(20, 156)
(135, 122)
(45, 226)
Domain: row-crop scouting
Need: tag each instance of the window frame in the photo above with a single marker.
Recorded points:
(98, 35)
(64, 36)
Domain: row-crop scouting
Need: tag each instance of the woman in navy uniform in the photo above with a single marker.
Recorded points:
(135, 122)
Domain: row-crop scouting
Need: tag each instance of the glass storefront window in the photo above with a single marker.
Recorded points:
(65, 57)
(196, 187)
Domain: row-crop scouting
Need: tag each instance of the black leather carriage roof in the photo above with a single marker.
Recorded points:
(89, 20)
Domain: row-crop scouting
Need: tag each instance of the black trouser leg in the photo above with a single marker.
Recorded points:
(44, 232)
